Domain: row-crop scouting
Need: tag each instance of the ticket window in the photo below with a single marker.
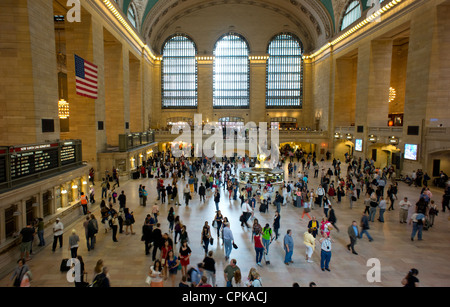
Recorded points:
(58, 199)
(11, 221)
(46, 203)
(30, 210)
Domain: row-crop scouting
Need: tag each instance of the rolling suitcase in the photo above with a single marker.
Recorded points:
(263, 207)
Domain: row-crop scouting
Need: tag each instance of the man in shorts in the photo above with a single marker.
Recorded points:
(27, 239)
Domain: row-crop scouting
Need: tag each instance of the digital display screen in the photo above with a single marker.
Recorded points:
(411, 151)
(358, 144)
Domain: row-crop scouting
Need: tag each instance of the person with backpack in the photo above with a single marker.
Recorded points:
(267, 236)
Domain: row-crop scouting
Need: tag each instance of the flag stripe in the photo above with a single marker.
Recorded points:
(86, 83)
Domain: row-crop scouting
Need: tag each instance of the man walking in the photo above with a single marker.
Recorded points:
(353, 233)
(228, 240)
(382, 205)
(246, 213)
(365, 227)
(122, 200)
(58, 229)
(288, 243)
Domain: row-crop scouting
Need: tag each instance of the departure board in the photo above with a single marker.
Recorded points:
(68, 154)
(3, 169)
(25, 161)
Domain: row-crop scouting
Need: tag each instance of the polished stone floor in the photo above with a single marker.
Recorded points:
(392, 246)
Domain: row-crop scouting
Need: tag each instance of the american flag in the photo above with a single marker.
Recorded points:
(86, 78)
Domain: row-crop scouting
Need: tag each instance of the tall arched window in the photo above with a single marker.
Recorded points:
(131, 14)
(284, 72)
(352, 13)
(179, 73)
(231, 72)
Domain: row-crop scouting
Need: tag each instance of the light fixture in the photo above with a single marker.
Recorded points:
(349, 136)
(392, 94)
(84, 182)
(372, 138)
(337, 135)
(63, 109)
(74, 186)
(64, 192)
(393, 140)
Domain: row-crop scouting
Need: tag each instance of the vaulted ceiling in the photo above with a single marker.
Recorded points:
(313, 21)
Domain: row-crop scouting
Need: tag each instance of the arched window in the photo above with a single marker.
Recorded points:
(131, 14)
(231, 72)
(179, 73)
(284, 87)
(352, 13)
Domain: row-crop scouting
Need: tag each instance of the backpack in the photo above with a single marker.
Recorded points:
(91, 228)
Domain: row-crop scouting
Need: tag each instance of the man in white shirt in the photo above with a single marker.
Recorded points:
(404, 208)
(320, 193)
(382, 206)
(246, 213)
(58, 229)
(325, 252)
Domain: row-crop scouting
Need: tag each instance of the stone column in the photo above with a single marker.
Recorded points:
(114, 88)
(135, 95)
(345, 91)
(420, 54)
(372, 94)
(257, 110)
(205, 69)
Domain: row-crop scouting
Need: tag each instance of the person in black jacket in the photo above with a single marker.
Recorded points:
(332, 217)
(122, 200)
(157, 240)
(147, 237)
(365, 227)
(202, 192)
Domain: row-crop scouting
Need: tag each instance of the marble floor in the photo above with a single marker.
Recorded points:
(392, 246)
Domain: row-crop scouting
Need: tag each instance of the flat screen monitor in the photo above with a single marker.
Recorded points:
(358, 144)
(411, 152)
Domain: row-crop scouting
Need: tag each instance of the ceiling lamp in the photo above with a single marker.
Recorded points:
(63, 109)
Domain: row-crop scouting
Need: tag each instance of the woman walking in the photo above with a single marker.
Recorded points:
(259, 247)
(276, 224)
(155, 275)
(172, 265)
(205, 237)
(310, 243)
(184, 254)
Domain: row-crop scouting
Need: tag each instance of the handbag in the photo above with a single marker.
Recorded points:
(148, 280)
(235, 246)
(354, 198)
(211, 240)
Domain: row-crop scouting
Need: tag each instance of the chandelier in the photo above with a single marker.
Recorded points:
(63, 109)
(392, 94)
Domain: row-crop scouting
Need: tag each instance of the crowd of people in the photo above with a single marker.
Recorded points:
(177, 180)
